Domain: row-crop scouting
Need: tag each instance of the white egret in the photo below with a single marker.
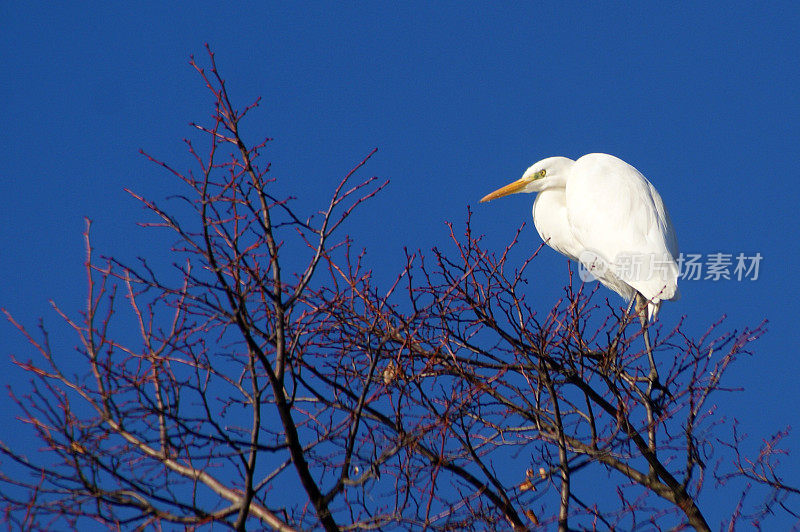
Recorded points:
(603, 213)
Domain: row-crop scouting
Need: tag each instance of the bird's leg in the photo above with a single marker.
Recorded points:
(652, 380)
(641, 310)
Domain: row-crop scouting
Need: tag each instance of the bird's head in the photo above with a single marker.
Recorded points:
(547, 173)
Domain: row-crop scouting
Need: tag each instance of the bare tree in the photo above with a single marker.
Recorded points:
(272, 384)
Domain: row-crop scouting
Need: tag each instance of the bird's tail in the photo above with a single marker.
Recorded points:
(652, 309)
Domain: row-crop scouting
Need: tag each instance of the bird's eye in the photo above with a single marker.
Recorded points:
(542, 172)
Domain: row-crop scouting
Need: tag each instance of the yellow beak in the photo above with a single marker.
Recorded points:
(511, 188)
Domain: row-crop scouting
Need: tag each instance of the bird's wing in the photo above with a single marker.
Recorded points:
(617, 214)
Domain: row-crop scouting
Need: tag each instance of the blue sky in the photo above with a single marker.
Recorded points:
(459, 99)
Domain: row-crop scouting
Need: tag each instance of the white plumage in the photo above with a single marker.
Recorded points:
(602, 212)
